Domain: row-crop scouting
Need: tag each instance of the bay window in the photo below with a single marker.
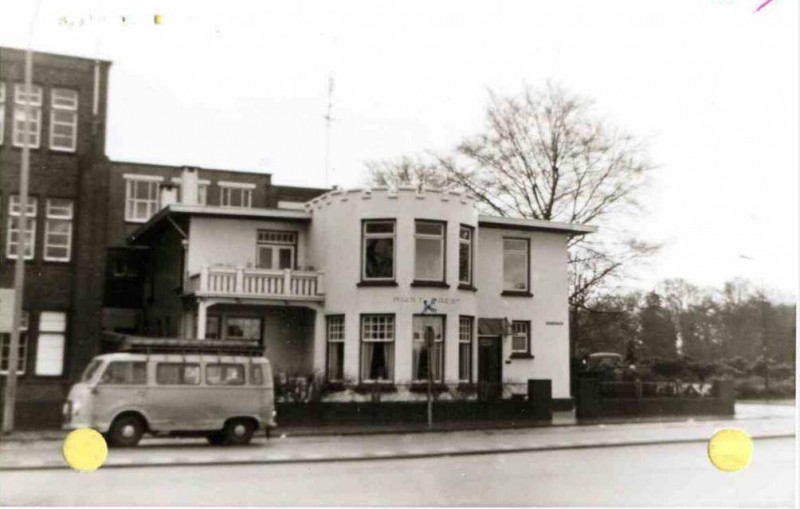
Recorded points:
(377, 348)
(27, 112)
(378, 241)
(429, 252)
(335, 339)
(428, 348)
(515, 265)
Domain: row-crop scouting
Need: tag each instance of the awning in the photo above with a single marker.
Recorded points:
(491, 327)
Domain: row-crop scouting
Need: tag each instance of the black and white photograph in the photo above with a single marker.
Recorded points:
(353, 253)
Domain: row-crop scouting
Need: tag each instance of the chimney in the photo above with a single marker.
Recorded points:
(189, 185)
(168, 194)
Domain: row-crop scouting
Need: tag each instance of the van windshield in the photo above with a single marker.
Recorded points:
(91, 369)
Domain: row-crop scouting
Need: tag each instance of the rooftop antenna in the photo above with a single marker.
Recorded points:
(328, 120)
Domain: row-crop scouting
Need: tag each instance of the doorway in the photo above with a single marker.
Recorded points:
(490, 367)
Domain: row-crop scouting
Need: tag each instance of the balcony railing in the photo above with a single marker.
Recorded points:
(257, 283)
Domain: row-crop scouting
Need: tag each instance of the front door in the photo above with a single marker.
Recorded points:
(490, 367)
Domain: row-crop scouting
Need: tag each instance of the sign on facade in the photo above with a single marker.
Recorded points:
(6, 309)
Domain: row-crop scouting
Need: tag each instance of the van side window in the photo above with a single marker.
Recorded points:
(177, 374)
(256, 375)
(125, 373)
(224, 374)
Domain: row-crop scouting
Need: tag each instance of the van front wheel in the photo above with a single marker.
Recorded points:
(238, 431)
(126, 431)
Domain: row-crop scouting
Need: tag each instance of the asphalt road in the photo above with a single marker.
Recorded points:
(648, 475)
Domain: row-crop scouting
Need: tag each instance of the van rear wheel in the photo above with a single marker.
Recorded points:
(126, 431)
(238, 431)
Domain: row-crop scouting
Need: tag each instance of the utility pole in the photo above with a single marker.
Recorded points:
(328, 120)
(10, 396)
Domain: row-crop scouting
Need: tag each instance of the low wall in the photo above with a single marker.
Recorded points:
(591, 404)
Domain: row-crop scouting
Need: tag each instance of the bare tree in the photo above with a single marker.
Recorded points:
(406, 171)
(544, 155)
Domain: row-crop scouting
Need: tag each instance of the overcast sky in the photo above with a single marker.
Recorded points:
(711, 86)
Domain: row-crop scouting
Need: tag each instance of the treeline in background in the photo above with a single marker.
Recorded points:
(681, 331)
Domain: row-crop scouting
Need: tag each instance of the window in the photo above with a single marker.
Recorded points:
(2, 111)
(424, 355)
(177, 374)
(377, 348)
(225, 374)
(23, 98)
(202, 190)
(125, 373)
(335, 334)
(90, 370)
(521, 337)
(515, 265)
(234, 194)
(429, 259)
(276, 249)
(243, 328)
(256, 375)
(378, 256)
(5, 344)
(58, 230)
(465, 255)
(212, 327)
(63, 120)
(14, 221)
(141, 198)
(465, 335)
(50, 344)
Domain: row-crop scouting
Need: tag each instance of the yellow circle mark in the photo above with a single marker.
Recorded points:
(85, 450)
(730, 449)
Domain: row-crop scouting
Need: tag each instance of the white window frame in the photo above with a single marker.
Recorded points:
(58, 214)
(202, 190)
(21, 99)
(5, 342)
(521, 329)
(470, 243)
(466, 336)
(369, 333)
(275, 241)
(131, 181)
(51, 330)
(14, 210)
(65, 106)
(526, 262)
(2, 111)
(334, 334)
(227, 188)
(428, 237)
(365, 235)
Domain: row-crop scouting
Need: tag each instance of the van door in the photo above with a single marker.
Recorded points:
(122, 387)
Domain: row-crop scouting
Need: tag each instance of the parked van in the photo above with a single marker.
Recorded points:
(225, 396)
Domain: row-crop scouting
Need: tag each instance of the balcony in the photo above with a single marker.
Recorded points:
(256, 284)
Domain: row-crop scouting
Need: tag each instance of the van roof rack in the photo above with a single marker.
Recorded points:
(139, 344)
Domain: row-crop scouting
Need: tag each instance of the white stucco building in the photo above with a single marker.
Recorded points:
(347, 287)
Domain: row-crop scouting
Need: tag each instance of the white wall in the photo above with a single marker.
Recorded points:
(547, 310)
(232, 241)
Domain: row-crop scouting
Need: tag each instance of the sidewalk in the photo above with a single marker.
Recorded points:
(744, 411)
(335, 448)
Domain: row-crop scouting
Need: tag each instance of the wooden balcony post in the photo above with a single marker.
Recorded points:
(203, 279)
(201, 319)
(320, 282)
(287, 281)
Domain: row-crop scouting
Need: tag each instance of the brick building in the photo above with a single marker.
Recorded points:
(81, 276)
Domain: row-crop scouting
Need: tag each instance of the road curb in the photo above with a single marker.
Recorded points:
(381, 455)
